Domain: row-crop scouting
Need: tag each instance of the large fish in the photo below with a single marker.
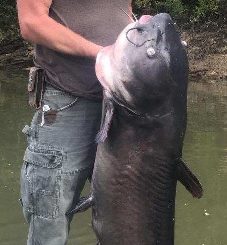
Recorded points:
(139, 160)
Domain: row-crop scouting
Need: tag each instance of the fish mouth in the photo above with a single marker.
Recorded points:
(144, 19)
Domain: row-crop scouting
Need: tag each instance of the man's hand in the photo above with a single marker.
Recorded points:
(37, 27)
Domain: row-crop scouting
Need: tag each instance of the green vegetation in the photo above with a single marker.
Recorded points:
(183, 11)
(8, 20)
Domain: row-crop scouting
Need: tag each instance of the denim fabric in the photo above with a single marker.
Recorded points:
(57, 162)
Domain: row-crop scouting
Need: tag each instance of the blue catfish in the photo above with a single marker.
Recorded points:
(144, 75)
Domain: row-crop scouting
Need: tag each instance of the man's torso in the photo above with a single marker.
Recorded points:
(98, 21)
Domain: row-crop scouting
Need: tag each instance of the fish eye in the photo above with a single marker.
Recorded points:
(140, 30)
(151, 52)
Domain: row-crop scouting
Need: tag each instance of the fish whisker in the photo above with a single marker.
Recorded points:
(134, 16)
(130, 17)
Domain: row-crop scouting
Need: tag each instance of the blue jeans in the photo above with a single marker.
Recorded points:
(57, 162)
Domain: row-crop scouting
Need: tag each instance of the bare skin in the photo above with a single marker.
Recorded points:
(37, 27)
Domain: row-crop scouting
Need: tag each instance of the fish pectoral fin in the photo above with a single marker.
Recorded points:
(83, 204)
(188, 179)
(107, 115)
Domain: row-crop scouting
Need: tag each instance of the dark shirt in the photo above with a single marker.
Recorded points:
(99, 21)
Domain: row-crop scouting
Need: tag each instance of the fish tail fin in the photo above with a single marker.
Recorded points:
(188, 179)
(83, 204)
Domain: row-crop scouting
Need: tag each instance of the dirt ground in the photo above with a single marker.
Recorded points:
(207, 52)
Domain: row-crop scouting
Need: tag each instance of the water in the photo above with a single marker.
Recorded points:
(198, 222)
(204, 221)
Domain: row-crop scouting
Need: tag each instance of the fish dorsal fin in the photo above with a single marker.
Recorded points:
(188, 179)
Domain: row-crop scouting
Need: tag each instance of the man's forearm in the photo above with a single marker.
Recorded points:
(37, 27)
(48, 32)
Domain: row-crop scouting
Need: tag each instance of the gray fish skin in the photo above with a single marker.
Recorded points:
(135, 173)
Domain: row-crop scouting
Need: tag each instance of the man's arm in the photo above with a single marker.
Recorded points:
(37, 27)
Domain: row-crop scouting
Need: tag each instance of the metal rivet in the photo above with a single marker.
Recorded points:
(184, 43)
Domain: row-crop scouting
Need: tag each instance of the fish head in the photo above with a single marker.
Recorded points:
(145, 65)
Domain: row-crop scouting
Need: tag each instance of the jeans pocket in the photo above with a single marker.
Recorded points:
(58, 100)
(54, 102)
(40, 182)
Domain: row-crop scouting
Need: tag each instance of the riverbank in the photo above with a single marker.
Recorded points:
(207, 52)
(15, 54)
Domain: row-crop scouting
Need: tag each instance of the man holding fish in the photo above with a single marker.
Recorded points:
(60, 155)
